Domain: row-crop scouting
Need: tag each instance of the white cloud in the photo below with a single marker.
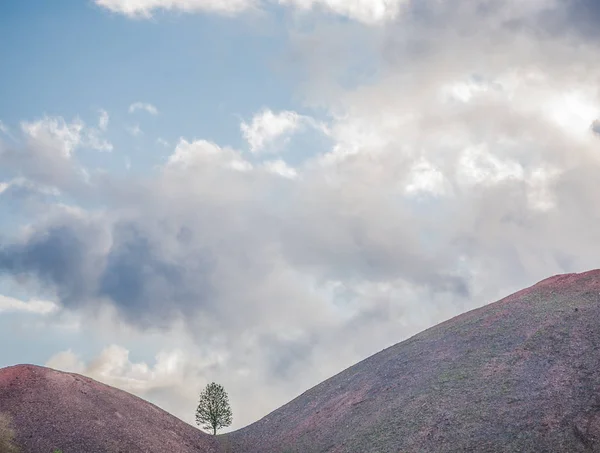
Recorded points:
(143, 106)
(13, 305)
(425, 178)
(477, 165)
(267, 127)
(54, 133)
(279, 167)
(145, 8)
(202, 153)
(367, 11)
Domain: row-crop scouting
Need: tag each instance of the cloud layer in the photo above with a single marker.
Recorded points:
(464, 167)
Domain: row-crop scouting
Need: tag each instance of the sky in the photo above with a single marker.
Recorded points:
(262, 193)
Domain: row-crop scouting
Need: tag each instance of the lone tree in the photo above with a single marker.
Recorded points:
(213, 409)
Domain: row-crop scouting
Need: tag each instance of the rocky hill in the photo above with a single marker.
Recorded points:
(518, 375)
(55, 410)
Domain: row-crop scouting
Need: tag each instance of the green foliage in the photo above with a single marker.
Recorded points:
(213, 410)
(7, 435)
(57, 451)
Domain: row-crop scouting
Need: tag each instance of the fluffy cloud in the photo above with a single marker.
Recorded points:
(152, 110)
(279, 167)
(266, 127)
(202, 153)
(56, 133)
(46, 153)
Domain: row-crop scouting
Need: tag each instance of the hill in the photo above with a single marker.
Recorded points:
(51, 409)
(518, 375)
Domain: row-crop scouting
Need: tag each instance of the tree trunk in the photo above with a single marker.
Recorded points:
(214, 430)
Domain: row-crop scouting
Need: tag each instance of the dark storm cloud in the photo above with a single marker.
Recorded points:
(145, 285)
(581, 17)
(56, 256)
(572, 18)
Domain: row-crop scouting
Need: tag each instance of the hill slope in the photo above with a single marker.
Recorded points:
(522, 374)
(51, 409)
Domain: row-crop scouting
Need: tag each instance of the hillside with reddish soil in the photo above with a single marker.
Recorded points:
(518, 375)
(55, 410)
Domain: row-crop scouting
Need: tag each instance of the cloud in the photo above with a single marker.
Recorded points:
(46, 153)
(55, 132)
(12, 305)
(267, 126)
(143, 106)
(269, 132)
(188, 155)
(367, 11)
(145, 8)
(462, 169)
(279, 167)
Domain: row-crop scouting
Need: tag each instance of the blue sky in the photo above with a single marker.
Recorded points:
(74, 59)
(262, 193)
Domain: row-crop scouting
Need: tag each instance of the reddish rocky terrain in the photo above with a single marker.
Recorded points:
(54, 410)
(518, 375)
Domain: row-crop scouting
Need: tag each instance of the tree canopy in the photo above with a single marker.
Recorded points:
(213, 410)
